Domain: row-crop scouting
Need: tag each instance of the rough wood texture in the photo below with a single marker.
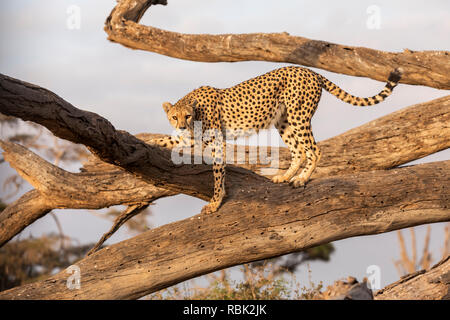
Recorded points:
(21, 213)
(59, 189)
(287, 219)
(433, 284)
(151, 163)
(384, 143)
(403, 136)
(429, 68)
(262, 219)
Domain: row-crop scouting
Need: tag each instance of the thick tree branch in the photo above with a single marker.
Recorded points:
(84, 190)
(264, 220)
(59, 189)
(429, 68)
(151, 163)
(384, 143)
(154, 164)
(21, 213)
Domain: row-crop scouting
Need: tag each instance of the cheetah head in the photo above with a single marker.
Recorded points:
(181, 116)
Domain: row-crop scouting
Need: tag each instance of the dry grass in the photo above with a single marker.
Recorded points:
(408, 264)
(264, 282)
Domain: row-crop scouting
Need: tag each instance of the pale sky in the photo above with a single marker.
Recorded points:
(128, 87)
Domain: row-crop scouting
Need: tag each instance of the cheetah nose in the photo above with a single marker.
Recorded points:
(182, 128)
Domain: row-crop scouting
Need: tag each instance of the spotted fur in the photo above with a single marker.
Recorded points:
(286, 98)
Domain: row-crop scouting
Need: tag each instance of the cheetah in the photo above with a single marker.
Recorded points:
(286, 98)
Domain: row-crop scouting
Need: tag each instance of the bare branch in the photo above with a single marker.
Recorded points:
(20, 99)
(376, 145)
(126, 215)
(59, 189)
(429, 68)
(21, 213)
(154, 164)
(264, 220)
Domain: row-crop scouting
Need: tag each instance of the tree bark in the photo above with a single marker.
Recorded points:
(21, 213)
(149, 162)
(429, 68)
(152, 163)
(419, 130)
(264, 220)
(433, 284)
(428, 284)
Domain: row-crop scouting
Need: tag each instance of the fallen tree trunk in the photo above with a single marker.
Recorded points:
(384, 143)
(429, 68)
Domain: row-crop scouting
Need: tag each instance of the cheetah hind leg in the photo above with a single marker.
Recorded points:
(297, 154)
(313, 155)
(296, 161)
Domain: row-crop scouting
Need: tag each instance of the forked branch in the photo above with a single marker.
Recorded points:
(429, 68)
(375, 145)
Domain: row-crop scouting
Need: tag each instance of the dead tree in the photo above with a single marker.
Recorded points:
(429, 68)
(356, 190)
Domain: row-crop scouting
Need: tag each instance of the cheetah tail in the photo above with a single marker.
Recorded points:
(392, 82)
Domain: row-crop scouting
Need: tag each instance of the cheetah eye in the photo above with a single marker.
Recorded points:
(188, 116)
(174, 118)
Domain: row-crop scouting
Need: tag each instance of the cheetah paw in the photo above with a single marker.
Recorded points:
(279, 179)
(210, 208)
(297, 182)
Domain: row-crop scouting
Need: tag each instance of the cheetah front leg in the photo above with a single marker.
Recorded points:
(166, 142)
(218, 154)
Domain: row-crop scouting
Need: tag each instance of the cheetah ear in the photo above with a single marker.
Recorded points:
(166, 106)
